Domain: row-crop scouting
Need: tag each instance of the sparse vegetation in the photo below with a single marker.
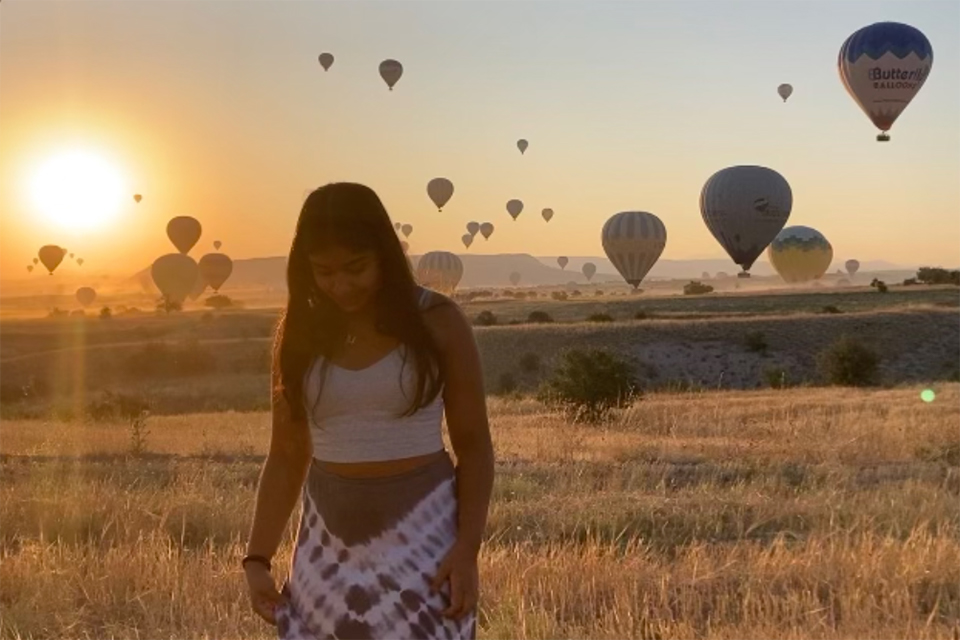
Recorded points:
(589, 383)
(138, 434)
(507, 384)
(599, 317)
(777, 378)
(879, 285)
(696, 288)
(485, 318)
(530, 363)
(219, 301)
(849, 362)
(559, 295)
(830, 309)
(539, 317)
(936, 275)
(106, 313)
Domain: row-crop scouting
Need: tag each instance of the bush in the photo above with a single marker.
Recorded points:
(909, 282)
(218, 301)
(575, 292)
(830, 309)
(507, 384)
(777, 377)
(485, 318)
(849, 362)
(642, 315)
(935, 275)
(539, 317)
(600, 317)
(598, 292)
(696, 288)
(530, 363)
(559, 295)
(590, 383)
(106, 313)
(879, 285)
(756, 342)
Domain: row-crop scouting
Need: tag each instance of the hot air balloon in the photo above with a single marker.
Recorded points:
(36, 260)
(198, 288)
(467, 240)
(547, 214)
(396, 226)
(440, 191)
(326, 60)
(183, 231)
(784, 91)
(522, 145)
(406, 230)
(473, 228)
(215, 268)
(80, 261)
(633, 241)
(883, 67)
(563, 261)
(800, 254)
(71, 256)
(390, 71)
(486, 230)
(744, 207)
(515, 278)
(51, 256)
(217, 244)
(86, 296)
(175, 274)
(514, 207)
(440, 270)
(29, 267)
(589, 269)
(137, 198)
(405, 245)
(852, 266)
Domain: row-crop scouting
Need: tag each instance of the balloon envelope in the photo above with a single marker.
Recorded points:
(784, 91)
(467, 240)
(137, 197)
(215, 268)
(547, 214)
(29, 267)
(514, 207)
(440, 191)
(405, 245)
(390, 71)
(86, 295)
(440, 270)
(80, 261)
(589, 269)
(217, 244)
(563, 261)
(473, 228)
(515, 278)
(326, 60)
(852, 266)
(744, 207)
(883, 66)
(486, 230)
(183, 231)
(406, 230)
(800, 254)
(175, 274)
(633, 241)
(522, 145)
(51, 256)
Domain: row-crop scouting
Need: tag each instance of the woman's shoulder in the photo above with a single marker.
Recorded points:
(428, 300)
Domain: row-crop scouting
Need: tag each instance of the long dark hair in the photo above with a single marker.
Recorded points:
(351, 216)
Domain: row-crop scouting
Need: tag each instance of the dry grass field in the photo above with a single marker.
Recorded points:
(797, 513)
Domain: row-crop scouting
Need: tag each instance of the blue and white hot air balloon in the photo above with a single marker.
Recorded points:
(883, 67)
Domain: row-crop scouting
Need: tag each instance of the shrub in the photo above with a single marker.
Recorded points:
(756, 342)
(138, 434)
(530, 363)
(935, 275)
(879, 285)
(106, 313)
(575, 292)
(909, 282)
(695, 288)
(776, 377)
(830, 309)
(642, 315)
(598, 292)
(485, 318)
(600, 317)
(507, 384)
(589, 383)
(539, 317)
(848, 362)
(218, 301)
(559, 295)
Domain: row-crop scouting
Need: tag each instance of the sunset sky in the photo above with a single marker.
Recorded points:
(220, 110)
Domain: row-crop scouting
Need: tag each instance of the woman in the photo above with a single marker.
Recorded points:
(365, 365)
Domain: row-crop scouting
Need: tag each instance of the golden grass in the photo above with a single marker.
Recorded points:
(824, 513)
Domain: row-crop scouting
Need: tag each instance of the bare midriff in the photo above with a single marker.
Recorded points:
(379, 468)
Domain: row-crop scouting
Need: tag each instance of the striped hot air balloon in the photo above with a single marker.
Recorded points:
(633, 241)
(440, 270)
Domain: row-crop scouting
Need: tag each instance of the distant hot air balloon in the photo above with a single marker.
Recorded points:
(473, 228)
(29, 267)
(589, 269)
(705, 275)
(137, 198)
(390, 71)
(86, 296)
(852, 266)
(744, 207)
(486, 230)
(633, 241)
(183, 231)
(563, 261)
(515, 278)
(784, 91)
(514, 207)
(36, 260)
(405, 245)
(467, 240)
(175, 274)
(217, 244)
(326, 60)
(51, 256)
(440, 191)
(522, 145)
(80, 261)
(215, 268)
(800, 254)
(71, 256)
(406, 230)
(440, 270)
(883, 66)
(547, 214)
(396, 226)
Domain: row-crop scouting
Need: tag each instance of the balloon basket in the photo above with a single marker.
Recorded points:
(883, 137)
(743, 274)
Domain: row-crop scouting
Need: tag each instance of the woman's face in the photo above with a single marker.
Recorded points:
(350, 278)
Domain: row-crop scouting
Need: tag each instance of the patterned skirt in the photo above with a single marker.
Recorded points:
(366, 552)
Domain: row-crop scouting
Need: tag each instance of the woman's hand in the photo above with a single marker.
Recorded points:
(264, 596)
(460, 567)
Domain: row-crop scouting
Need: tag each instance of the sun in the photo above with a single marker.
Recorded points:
(78, 190)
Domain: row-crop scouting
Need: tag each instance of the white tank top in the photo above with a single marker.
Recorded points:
(356, 418)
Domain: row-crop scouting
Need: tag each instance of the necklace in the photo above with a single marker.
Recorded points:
(351, 339)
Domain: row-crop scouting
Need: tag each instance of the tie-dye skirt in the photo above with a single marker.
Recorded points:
(366, 552)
